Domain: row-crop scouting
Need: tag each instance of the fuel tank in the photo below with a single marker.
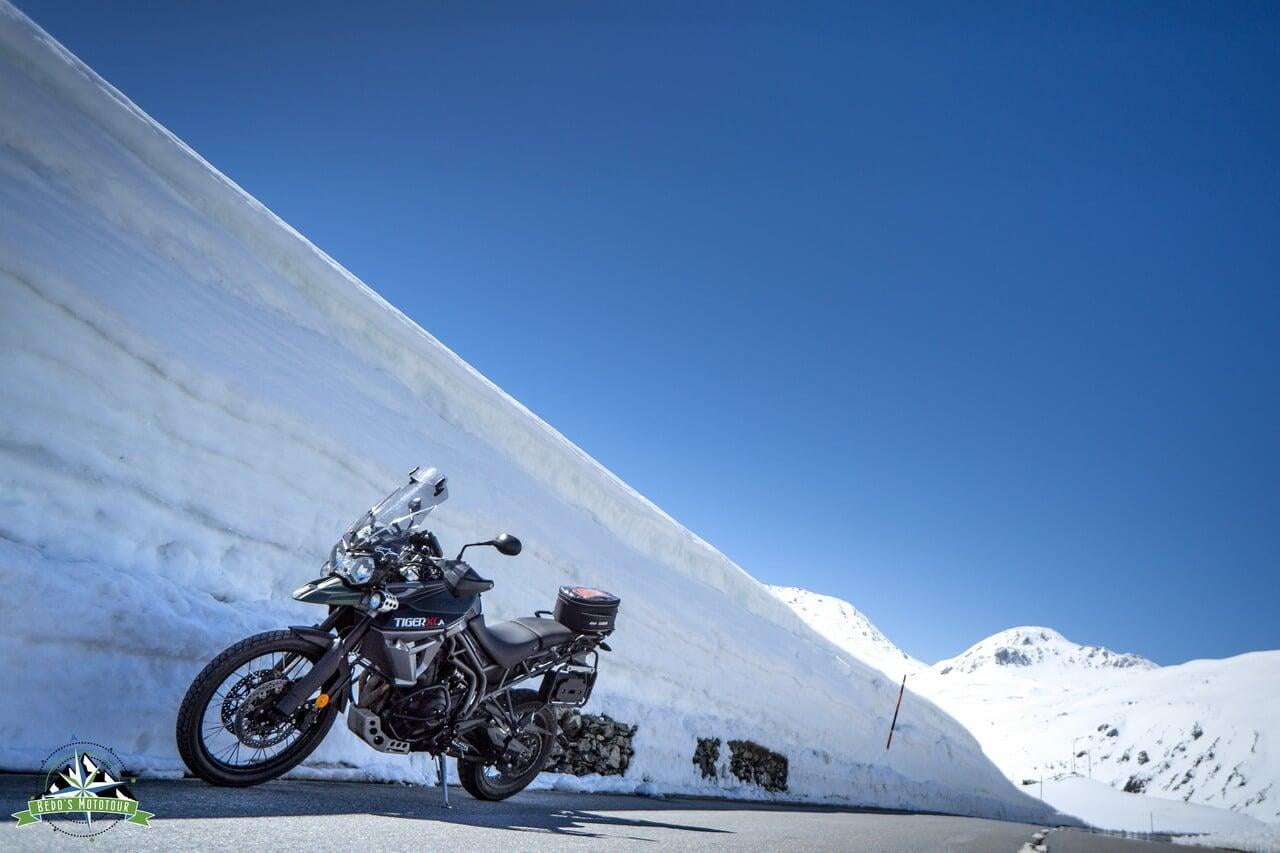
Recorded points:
(425, 606)
(404, 643)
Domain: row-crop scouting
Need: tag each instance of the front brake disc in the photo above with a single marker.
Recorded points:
(254, 726)
(239, 691)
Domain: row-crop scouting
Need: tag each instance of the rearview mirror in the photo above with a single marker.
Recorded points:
(506, 544)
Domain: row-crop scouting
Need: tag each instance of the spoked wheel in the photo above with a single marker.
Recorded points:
(227, 733)
(501, 780)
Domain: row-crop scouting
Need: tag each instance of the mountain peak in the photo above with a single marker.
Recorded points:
(1038, 648)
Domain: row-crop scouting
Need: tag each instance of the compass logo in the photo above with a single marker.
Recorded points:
(85, 793)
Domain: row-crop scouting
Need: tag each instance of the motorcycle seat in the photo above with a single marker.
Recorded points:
(508, 643)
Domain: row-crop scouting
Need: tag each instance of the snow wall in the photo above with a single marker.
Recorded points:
(195, 402)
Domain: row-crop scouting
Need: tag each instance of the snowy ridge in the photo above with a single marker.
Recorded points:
(847, 627)
(1038, 651)
(197, 401)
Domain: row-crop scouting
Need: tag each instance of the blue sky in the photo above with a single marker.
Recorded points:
(966, 314)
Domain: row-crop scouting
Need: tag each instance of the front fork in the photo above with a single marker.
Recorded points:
(332, 663)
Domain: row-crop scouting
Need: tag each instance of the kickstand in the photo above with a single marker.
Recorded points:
(444, 779)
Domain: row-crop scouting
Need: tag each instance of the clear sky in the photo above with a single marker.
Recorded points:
(967, 314)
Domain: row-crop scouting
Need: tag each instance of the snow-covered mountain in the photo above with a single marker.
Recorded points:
(1038, 652)
(1203, 732)
(847, 627)
(196, 401)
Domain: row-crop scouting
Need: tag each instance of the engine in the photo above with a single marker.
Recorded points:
(413, 715)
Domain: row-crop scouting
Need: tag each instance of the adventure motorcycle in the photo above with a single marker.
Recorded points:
(406, 652)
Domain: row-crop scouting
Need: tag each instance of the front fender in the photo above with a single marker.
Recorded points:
(317, 637)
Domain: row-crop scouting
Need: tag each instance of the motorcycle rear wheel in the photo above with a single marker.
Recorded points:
(487, 782)
(216, 720)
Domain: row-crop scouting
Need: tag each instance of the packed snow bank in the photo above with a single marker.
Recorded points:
(1105, 807)
(196, 401)
(1264, 839)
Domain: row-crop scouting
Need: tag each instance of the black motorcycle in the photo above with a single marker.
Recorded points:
(406, 652)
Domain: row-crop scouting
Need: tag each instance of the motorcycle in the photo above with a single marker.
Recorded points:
(406, 652)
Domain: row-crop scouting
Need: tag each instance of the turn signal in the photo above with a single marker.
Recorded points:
(322, 701)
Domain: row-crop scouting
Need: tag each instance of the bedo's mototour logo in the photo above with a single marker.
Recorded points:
(85, 793)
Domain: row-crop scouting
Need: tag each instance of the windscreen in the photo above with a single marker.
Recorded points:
(400, 512)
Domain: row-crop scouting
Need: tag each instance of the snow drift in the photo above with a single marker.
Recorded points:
(196, 401)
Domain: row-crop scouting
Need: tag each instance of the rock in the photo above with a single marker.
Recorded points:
(1136, 784)
(571, 724)
(705, 756)
(1012, 657)
(1142, 757)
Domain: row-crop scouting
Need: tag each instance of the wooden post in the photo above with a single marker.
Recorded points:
(894, 724)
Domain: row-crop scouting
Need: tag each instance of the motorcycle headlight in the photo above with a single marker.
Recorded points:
(356, 568)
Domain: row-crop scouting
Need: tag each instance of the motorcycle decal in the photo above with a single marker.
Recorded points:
(417, 621)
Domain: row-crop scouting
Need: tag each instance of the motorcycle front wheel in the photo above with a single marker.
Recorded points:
(226, 734)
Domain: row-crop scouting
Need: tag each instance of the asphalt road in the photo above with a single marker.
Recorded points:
(289, 815)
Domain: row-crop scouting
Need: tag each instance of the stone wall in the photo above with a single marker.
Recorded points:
(748, 761)
(756, 765)
(591, 743)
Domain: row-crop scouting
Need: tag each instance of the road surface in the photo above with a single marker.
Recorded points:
(296, 815)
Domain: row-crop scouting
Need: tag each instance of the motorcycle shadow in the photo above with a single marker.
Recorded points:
(583, 815)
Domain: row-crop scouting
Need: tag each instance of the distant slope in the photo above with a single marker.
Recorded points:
(1202, 732)
(196, 401)
(847, 627)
